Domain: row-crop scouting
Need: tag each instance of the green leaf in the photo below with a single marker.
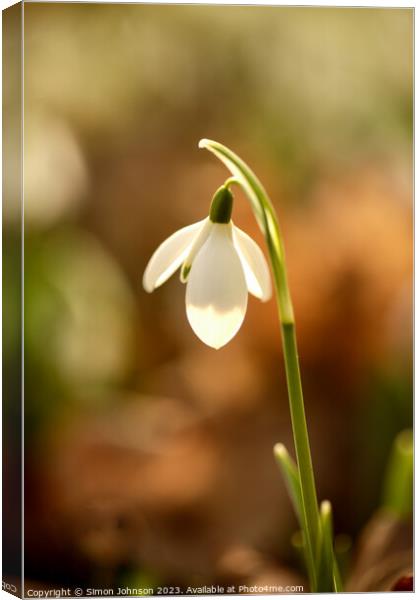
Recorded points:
(291, 477)
(398, 487)
(327, 569)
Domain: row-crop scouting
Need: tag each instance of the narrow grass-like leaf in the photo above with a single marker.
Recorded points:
(338, 582)
(325, 556)
(291, 477)
(398, 487)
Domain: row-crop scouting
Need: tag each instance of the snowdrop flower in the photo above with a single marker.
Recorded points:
(220, 265)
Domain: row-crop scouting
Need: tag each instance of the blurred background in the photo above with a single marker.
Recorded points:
(148, 455)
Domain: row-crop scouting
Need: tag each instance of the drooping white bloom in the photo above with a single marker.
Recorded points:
(220, 264)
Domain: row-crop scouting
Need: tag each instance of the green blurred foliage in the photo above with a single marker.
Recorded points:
(299, 85)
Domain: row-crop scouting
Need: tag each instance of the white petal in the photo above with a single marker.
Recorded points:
(169, 256)
(216, 295)
(255, 266)
(199, 240)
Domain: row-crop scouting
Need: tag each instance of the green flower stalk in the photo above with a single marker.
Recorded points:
(220, 265)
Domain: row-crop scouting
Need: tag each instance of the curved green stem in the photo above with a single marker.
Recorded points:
(267, 220)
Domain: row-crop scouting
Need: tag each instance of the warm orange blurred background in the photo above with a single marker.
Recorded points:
(149, 455)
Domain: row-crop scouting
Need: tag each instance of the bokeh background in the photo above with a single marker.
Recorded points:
(148, 455)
